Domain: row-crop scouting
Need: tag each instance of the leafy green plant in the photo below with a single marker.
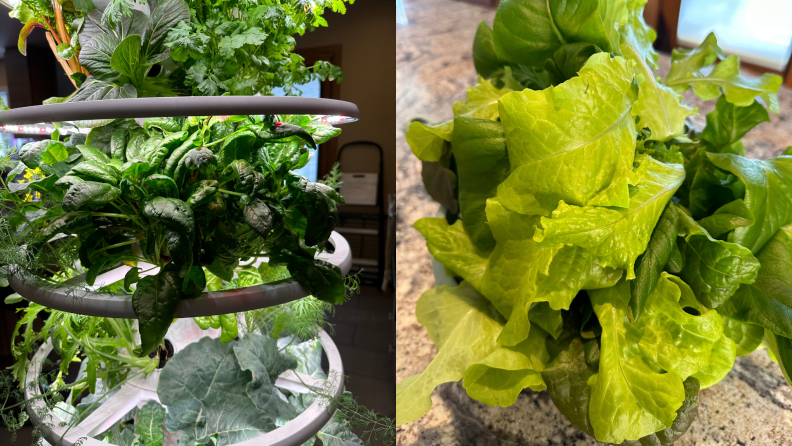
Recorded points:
(200, 48)
(241, 47)
(604, 249)
(182, 194)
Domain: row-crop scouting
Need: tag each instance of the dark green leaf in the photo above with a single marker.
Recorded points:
(568, 60)
(194, 282)
(485, 59)
(96, 57)
(155, 301)
(131, 277)
(95, 171)
(134, 169)
(728, 123)
(178, 153)
(237, 147)
(164, 16)
(768, 195)
(259, 217)
(202, 193)
(177, 217)
(653, 260)
(768, 300)
(220, 398)
(95, 89)
(88, 193)
(201, 158)
(440, 183)
(728, 217)
(164, 125)
(162, 185)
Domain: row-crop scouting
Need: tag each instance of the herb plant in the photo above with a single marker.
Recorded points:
(201, 48)
(604, 249)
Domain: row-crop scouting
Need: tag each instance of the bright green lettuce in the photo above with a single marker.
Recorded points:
(686, 72)
(618, 236)
(628, 385)
(464, 328)
(625, 258)
(551, 133)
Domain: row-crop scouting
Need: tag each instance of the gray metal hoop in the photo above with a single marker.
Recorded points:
(181, 106)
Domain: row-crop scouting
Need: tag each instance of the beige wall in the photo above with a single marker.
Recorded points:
(367, 34)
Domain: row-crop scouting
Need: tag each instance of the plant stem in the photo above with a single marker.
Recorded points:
(106, 214)
(223, 191)
(129, 242)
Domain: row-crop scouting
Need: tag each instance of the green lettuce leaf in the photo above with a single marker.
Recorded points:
(727, 218)
(482, 164)
(746, 337)
(464, 327)
(521, 271)
(630, 360)
(481, 102)
(428, 142)
(728, 123)
(451, 246)
(686, 72)
(767, 302)
(527, 32)
(714, 269)
(499, 378)
(768, 195)
(658, 107)
(550, 133)
(618, 236)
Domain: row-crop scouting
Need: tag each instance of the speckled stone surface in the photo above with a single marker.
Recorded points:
(751, 406)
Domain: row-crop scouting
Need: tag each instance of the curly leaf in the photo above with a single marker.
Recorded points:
(499, 378)
(259, 217)
(203, 193)
(593, 125)
(178, 218)
(150, 417)
(618, 236)
(686, 72)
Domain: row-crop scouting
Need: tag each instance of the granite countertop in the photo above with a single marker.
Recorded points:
(751, 406)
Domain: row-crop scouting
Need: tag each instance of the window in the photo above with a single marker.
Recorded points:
(312, 89)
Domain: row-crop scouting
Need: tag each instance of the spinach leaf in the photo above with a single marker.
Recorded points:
(155, 301)
(88, 193)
